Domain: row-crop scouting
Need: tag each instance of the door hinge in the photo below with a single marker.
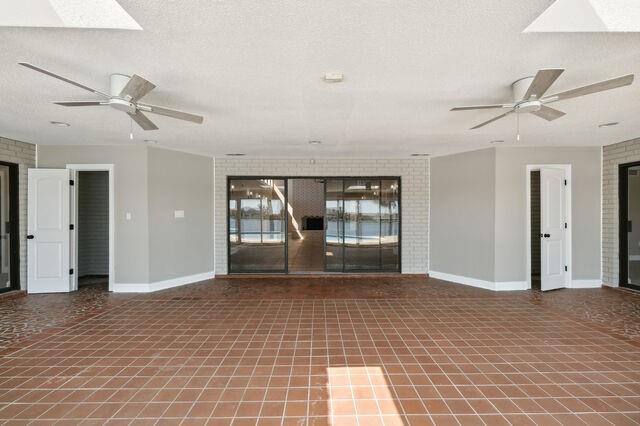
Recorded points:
(71, 271)
(565, 268)
(71, 227)
(71, 182)
(565, 182)
(565, 225)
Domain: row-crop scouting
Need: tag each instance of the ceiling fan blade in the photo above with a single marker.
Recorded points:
(492, 120)
(465, 108)
(136, 88)
(142, 120)
(80, 103)
(180, 115)
(600, 86)
(548, 113)
(541, 82)
(59, 77)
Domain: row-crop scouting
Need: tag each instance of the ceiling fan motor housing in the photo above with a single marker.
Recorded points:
(117, 83)
(519, 88)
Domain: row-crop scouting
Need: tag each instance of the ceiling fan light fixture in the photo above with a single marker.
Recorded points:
(60, 123)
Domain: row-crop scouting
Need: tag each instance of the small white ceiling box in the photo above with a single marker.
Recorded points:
(333, 77)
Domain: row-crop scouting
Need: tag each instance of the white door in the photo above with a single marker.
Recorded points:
(552, 228)
(48, 231)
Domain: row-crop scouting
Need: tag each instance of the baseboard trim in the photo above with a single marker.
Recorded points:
(586, 283)
(162, 285)
(474, 282)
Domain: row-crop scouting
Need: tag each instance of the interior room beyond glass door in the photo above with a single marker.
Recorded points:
(257, 225)
(630, 264)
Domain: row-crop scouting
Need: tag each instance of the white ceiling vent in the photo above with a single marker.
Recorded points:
(588, 16)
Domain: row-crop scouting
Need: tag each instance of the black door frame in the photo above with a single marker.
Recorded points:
(623, 219)
(286, 229)
(14, 228)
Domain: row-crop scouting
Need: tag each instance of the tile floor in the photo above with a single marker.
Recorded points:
(353, 351)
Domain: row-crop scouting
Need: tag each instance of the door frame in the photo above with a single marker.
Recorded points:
(286, 198)
(623, 217)
(567, 236)
(14, 226)
(109, 168)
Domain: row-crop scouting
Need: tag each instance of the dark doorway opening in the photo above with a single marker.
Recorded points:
(535, 229)
(93, 227)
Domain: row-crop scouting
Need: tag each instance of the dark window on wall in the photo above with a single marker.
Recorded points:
(9, 228)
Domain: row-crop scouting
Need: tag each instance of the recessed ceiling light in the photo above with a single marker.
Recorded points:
(613, 123)
(151, 141)
(419, 155)
(236, 154)
(497, 141)
(60, 123)
(315, 142)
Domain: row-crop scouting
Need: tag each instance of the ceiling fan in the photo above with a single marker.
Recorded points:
(124, 95)
(529, 95)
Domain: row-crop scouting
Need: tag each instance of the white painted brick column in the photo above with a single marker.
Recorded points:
(612, 157)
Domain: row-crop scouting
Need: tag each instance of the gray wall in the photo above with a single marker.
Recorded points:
(462, 214)
(93, 223)
(130, 180)
(510, 226)
(179, 246)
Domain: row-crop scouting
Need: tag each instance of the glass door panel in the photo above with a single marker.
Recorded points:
(361, 224)
(257, 227)
(633, 226)
(389, 224)
(334, 225)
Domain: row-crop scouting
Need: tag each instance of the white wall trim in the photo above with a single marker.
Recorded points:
(474, 282)
(568, 219)
(75, 168)
(162, 285)
(586, 283)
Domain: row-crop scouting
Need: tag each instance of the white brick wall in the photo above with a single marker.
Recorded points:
(24, 154)
(414, 187)
(612, 157)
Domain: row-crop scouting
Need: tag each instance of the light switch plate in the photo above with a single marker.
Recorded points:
(127, 216)
(178, 214)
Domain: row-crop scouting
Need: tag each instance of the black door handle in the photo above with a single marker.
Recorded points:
(30, 237)
(547, 235)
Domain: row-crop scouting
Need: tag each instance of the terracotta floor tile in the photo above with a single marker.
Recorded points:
(366, 351)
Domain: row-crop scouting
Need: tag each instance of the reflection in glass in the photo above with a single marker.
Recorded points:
(5, 225)
(257, 225)
(333, 225)
(633, 225)
(362, 225)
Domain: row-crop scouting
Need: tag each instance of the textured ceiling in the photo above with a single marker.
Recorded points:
(254, 70)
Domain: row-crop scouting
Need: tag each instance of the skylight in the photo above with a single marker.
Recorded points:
(588, 16)
(106, 14)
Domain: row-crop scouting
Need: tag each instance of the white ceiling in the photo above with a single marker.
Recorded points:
(254, 70)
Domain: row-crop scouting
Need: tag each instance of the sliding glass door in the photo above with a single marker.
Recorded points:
(362, 225)
(257, 225)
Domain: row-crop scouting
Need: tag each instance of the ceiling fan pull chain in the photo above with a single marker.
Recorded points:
(130, 128)
(518, 126)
